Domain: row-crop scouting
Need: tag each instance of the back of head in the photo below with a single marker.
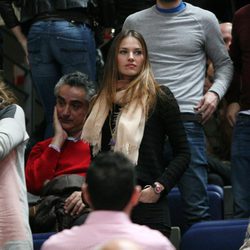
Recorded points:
(111, 181)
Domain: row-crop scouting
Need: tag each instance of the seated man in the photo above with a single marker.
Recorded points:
(65, 153)
(111, 191)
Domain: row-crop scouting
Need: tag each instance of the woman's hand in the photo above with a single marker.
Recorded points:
(74, 204)
(148, 195)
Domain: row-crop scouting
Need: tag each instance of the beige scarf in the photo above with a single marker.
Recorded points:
(129, 128)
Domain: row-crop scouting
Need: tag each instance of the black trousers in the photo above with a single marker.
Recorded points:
(153, 215)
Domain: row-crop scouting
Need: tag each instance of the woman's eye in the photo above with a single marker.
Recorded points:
(138, 52)
(123, 52)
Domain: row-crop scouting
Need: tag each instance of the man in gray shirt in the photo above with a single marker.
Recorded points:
(180, 37)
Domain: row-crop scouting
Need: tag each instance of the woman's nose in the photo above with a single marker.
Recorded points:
(131, 56)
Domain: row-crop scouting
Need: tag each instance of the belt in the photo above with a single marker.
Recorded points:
(84, 19)
(191, 117)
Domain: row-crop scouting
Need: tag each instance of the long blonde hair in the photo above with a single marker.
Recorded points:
(143, 84)
(7, 97)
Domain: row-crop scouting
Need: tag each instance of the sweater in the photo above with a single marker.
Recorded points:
(163, 122)
(239, 90)
(178, 45)
(45, 163)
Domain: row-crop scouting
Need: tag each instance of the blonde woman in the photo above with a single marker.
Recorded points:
(14, 224)
(132, 114)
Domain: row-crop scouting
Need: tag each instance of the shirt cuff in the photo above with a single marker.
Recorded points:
(56, 148)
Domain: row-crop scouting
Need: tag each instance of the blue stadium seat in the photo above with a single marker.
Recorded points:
(39, 238)
(215, 235)
(216, 203)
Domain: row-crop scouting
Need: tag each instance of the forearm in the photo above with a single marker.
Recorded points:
(17, 31)
(181, 157)
(41, 166)
(175, 130)
(218, 54)
(222, 79)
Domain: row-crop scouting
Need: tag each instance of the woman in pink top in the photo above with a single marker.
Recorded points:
(14, 220)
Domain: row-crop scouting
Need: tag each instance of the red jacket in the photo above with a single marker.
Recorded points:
(45, 163)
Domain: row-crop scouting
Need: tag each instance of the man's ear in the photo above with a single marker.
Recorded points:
(85, 194)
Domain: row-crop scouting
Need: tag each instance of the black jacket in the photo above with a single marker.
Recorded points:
(164, 121)
(50, 215)
(30, 9)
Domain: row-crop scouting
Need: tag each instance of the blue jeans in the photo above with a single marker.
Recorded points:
(193, 184)
(240, 158)
(57, 48)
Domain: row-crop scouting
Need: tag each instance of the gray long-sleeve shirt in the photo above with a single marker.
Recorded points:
(179, 44)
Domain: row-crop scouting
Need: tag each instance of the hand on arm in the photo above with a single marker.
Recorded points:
(207, 105)
(232, 111)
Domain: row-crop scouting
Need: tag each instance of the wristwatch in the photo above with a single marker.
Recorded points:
(158, 188)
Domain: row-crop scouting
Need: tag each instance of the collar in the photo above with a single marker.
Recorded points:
(70, 138)
(176, 9)
(75, 139)
(107, 217)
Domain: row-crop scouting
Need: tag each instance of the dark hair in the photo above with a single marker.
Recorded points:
(111, 181)
(79, 80)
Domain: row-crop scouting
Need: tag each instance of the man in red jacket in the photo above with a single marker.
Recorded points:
(64, 153)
